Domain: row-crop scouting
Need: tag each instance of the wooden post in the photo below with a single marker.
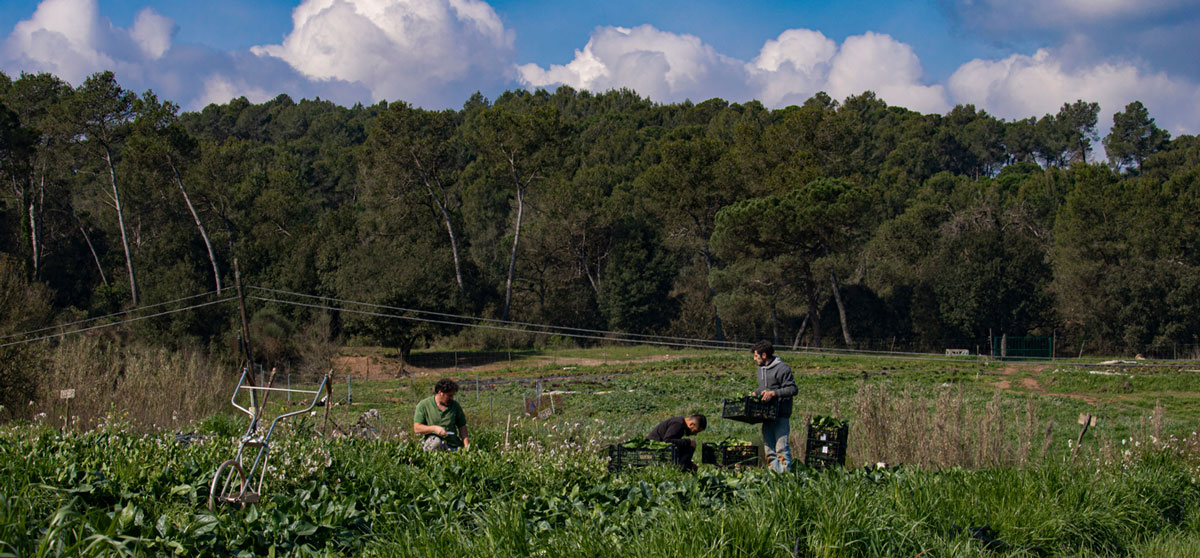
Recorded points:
(237, 281)
(1086, 420)
(328, 402)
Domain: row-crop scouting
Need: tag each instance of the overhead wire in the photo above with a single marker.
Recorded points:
(114, 324)
(106, 316)
(730, 344)
(485, 326)
(460, 320)
(610, 335)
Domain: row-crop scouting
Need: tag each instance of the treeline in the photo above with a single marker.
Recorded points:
(844, 223)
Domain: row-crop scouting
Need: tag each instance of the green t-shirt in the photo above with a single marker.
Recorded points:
(452, 419)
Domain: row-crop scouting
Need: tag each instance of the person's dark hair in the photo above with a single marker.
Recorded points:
(700, 420)
(445, 385)
(764, 348)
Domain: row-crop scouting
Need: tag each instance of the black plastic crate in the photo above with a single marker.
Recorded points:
(750, 409)
(822, 461)
(826, 445)
(622, 457)
(728, 456)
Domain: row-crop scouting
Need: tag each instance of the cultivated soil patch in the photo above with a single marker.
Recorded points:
(1031, 383)
(379, 367)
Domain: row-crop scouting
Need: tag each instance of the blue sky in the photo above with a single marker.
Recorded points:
(1014, 58)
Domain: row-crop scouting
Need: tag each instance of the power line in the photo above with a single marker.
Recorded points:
(460, 320)
(613, 336)
(135, 319)
(731, 344)
(697, 343)
(114, 314)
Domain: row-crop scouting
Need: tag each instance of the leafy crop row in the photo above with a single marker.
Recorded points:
(106, 492)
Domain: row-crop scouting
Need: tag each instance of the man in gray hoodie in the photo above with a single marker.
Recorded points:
(775, 381)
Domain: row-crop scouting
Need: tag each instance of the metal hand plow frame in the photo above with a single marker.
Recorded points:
(233, 483)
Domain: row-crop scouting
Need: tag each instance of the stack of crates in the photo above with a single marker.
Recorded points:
(622, 457)
(750, 409)
(729, 456)
(826, 445)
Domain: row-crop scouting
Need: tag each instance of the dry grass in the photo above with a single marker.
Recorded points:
(151, 387)
(945, 431)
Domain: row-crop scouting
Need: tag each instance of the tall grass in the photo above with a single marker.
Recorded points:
(152, 387)
(943, 431)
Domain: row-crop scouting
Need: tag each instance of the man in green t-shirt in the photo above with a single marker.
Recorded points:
(440, 419)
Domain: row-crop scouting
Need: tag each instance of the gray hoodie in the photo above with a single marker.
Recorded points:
(777, 376)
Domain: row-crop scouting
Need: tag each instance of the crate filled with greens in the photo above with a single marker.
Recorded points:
(826, 442)
(751, 409)
(729, 453)
(640, 453)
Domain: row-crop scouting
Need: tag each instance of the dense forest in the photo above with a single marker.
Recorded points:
(837, 223)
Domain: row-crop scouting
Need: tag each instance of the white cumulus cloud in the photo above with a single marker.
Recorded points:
(661, 65)
(152, 32)
(669, 67)
(64, 37)
(790, 68)
(1021, 86)
(889, 68)
(433, 53)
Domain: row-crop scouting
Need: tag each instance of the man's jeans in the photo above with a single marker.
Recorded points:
(775, 440)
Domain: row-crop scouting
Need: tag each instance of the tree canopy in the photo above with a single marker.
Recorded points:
(835, 222)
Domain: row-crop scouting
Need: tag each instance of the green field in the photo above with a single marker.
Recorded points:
(982, 462)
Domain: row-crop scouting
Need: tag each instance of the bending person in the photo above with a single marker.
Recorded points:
(673, 431)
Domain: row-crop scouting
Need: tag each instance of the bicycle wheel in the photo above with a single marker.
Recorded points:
(228, 484)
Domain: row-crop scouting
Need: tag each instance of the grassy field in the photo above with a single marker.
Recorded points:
(983, 461)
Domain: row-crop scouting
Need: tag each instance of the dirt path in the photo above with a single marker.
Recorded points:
(1031, 383)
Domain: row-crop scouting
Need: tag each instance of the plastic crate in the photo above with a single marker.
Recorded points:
(826, 447)
(745, 455)
(750, 409)
(621, 457)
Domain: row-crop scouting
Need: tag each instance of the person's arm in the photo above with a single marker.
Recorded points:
(420, 427)
(425, 429)
(787, 385)
(465, 437)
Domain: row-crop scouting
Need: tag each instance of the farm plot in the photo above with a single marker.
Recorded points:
(541, 486)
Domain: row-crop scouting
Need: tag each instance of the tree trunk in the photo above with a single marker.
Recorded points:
(442, 204)
(112, 176)
(462, 290)
(837, 298)
(512, 258)
(35, 254)
(91, 248)
(712, 295)
(799, 334)
(28, 219)
(196, 217)
(812, 313)
(774, 325)
(40, 218)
